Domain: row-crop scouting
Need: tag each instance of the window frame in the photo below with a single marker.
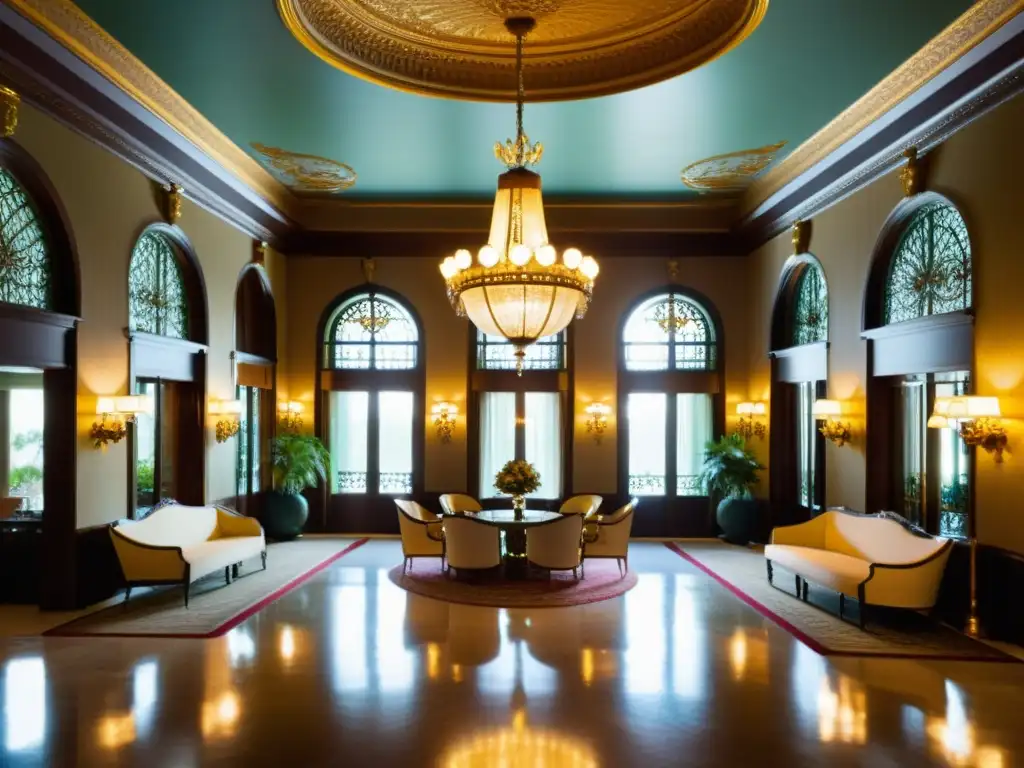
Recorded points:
(374, 381)
(483, 380)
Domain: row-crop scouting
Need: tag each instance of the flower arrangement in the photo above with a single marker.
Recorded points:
(517, 478)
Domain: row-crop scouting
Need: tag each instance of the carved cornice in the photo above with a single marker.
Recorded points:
(975, 25)
(460, 48)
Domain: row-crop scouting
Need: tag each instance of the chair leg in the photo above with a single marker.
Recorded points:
(842, 604)
(263, 555)
(227, 574)
(799, 590)
(806, 587)
(405, 566)
(187, 587)
(127, 593)
(770, 574)
(863, 608)
(574, 575)
(234, 570)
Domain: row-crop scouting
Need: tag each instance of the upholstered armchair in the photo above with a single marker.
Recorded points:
(421, 531)
(457, 503)
(470, 544)
(558, 545)
(608, 535)
(585, 505)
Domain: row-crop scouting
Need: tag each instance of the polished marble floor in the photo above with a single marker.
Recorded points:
(349, 670)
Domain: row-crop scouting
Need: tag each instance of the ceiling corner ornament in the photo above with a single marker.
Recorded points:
(309, 174)
(730, 172)
(9, 102)
(518, 288)
(460, 49)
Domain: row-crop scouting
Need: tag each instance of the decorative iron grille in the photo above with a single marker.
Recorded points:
(24, 261)
(157, 302)
(669, 332)
(395, 482)
(351, 482)
(690, 485)
(493, 353)
(372, 332)
(810, 309)
(647, 485)
(931, 269)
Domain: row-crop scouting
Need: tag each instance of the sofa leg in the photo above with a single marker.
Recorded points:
(234, 570)
(187, 587)
(227, 574)
(842, 605)
(127, 593)
(805, 590)
(799, 589)
(863, 608)
(574, 575)
(770, 574)
(263, 555)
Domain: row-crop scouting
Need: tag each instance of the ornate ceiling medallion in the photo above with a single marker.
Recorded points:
(733, 171)
(306, 173)
(460, 49)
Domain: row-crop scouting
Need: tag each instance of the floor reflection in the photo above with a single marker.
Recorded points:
(24, 704)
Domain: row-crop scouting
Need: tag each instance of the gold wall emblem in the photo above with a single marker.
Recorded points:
(733, 171)
(461, 49)
(307, 173)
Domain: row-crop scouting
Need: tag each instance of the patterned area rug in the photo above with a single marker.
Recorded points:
(213, 606)
(603, 581)
(889, 633)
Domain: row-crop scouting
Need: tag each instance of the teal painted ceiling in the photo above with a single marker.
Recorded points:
(235, 62)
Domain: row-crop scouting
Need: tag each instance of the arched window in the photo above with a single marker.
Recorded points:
(930, 272)
(372, 367)
(668, 333)
(520, 417)
(810, 306)
(668, 392)
(157, 300)
(24, 260)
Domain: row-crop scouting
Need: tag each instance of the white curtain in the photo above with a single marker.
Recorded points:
(646, 412)
(497, 437)
(693, 430)
(806, 431)
(350, 413)
(544, 441)
(394, 411)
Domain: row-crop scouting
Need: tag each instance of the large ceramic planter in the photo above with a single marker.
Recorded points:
(738, 520)
(284, 515)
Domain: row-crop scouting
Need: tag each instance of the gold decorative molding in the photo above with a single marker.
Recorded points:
(910, 174)
(307, 173)
(977, 23)
(732, 171)
(461, 49)
(66, 23)
(259, 252)
(801, 237)
(172, 203)
(9, 102)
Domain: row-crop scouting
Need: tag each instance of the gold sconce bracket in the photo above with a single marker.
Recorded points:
(597, 420)
(801, 236)
(104, 432)
(444, 420)
(172, 203)
(116, 413)
(229, 418)
(836, 432)
(289, 416)
(225, 429)
(9, 103)
(751, 423)
(986, 433)
(912, 174)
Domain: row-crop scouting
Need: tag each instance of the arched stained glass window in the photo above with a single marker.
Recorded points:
(157, 301)
(810, 306)
(496, 353)
(669, 332)
(371, 331)
(24, 261)
(930, 272)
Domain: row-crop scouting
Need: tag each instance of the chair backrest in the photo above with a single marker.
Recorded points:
(556, 545)
(453, 503)
(471, 543)
(416, 511)
(416, 540)
(172, 525)
(620, 514)
(877, 540)
(585, 504)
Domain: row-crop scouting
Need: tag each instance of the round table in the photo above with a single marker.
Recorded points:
(515, 531)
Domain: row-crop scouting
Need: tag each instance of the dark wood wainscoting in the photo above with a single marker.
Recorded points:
(98, 571)
(1000, 586)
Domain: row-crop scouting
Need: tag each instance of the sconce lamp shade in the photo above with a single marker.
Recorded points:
(940, 414)
(444, 408)
(226, 407)
(126, 404)
(598, 409)
(291, 406)
(751, 409)
(827, 409)
(970, 408)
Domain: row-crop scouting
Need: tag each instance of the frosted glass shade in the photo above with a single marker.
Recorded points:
(521, 313)
(826, 409)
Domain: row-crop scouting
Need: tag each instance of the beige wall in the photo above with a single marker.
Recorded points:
(314, 282)
(980, 169)
(108, 204)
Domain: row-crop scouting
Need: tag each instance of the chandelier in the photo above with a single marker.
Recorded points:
(518, 288)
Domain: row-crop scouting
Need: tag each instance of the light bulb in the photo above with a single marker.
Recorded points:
(463, 259)
(448, 268)
(488, 256)
(546, 255)
(572, 257)
(589, 267)
(520, 254)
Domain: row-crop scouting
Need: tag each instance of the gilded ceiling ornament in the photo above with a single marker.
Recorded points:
(800, 236)
(172, 203)
(307, 173)
(9, 102)
(910, 175)
(732, 171)
(461, 49)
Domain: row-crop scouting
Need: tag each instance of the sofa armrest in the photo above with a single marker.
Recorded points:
(147, 562)
(809, 534)
(231, 524)
(911, 585)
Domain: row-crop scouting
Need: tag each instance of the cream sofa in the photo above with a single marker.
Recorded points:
(177, 544)
(875, 560)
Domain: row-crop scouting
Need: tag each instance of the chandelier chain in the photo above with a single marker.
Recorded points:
(520, 100)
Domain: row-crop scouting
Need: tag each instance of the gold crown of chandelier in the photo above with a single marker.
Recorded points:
(518, 288)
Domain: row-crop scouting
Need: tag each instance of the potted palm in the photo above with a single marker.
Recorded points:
(729, 473)
(299, 462)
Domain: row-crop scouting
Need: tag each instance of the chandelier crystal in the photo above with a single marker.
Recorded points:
(517, 287)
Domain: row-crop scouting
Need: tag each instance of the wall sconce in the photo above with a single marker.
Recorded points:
(289, 416)
(827, 412)
(230, 421)
(597, 420)
(750, 424)
(115, 413)
(978, 420)
(444, 420)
